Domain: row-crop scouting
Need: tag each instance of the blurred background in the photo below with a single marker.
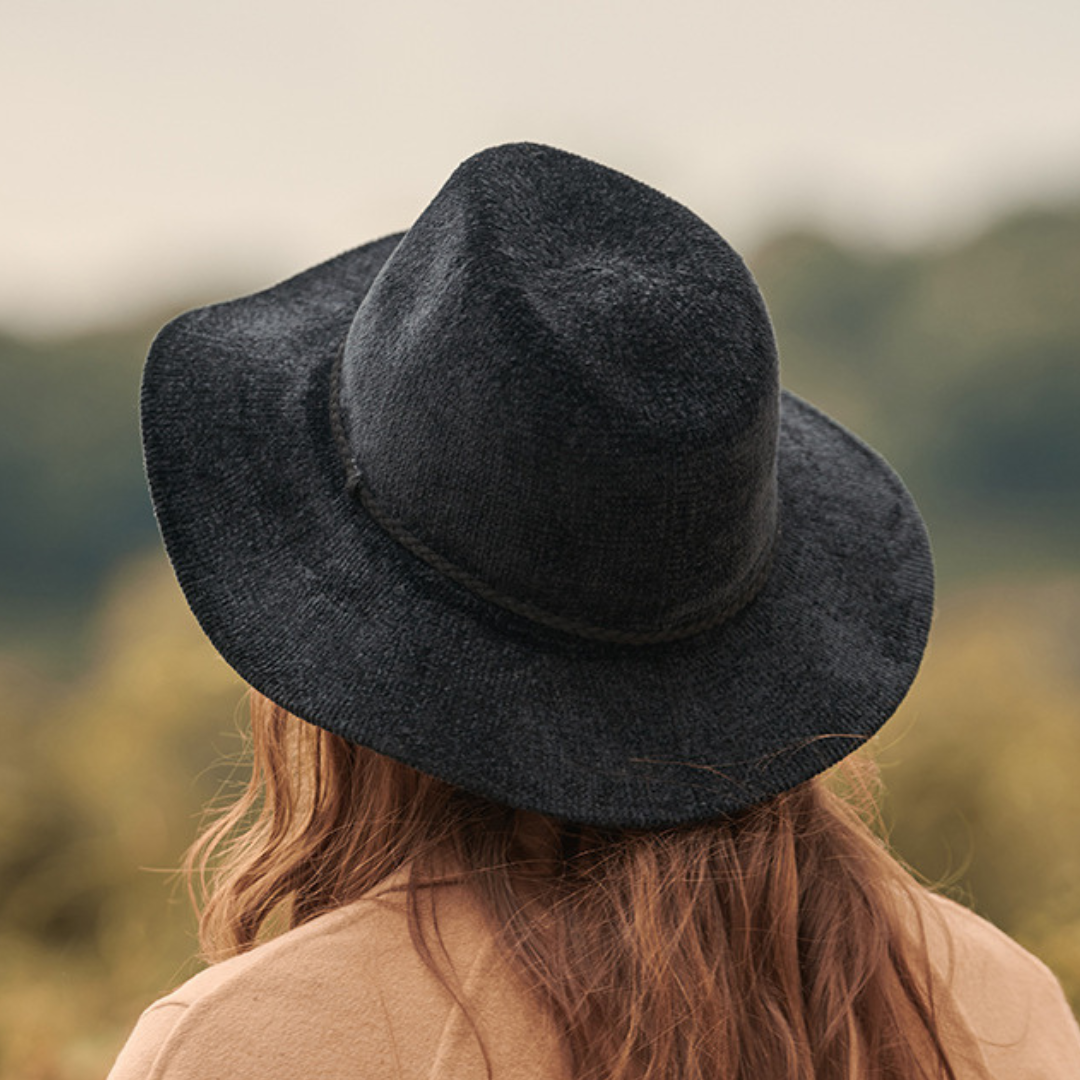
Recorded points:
(904, 180)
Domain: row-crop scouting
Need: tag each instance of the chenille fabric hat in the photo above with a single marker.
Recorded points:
(515, 498)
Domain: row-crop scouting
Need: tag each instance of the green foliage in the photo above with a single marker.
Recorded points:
(73, 501)
(981, 763)
(101, 786)
(962, 366)
(1013, 437)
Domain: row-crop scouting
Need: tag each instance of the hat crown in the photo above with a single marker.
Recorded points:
(564, 385)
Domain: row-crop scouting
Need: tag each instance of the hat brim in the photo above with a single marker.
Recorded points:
(314, 605)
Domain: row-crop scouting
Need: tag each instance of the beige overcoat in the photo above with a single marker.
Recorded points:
(347, 996)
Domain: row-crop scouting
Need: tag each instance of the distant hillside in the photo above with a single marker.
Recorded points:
(72, 503)
(961, 364)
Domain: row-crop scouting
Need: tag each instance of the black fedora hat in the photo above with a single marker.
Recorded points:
(516, 498)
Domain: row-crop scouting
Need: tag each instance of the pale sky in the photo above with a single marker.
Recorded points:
(156, 146)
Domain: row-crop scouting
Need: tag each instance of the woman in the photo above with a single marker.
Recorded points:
(577, 608)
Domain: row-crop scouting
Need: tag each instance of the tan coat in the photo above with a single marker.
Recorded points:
(346, 996)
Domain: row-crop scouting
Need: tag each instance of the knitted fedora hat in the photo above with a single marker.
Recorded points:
(515, 498)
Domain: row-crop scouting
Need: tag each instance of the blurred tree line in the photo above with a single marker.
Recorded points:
(961, 364)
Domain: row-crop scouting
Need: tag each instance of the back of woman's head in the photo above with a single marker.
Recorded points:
(515, 499)
(782, 942)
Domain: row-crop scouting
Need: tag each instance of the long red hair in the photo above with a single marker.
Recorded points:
(781, 943)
